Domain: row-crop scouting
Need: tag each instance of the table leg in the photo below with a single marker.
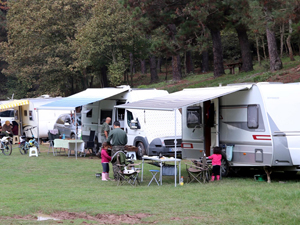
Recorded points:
(142, 170)
(160, 174)
(179, 172)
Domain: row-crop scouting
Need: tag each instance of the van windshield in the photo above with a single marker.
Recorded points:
(6, 113)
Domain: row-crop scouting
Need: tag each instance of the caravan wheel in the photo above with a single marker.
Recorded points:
(224, 166)
(142, 150)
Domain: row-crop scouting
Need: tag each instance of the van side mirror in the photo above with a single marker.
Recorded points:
(133, 124)
(67, 124)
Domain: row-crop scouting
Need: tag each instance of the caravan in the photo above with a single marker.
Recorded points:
(95, 113)
(257, 125)
(27, 115)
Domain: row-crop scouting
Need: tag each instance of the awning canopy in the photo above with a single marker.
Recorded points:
(184, 98)
(83, 98)
(12, 104)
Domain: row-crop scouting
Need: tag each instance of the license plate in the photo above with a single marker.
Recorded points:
(173, 149)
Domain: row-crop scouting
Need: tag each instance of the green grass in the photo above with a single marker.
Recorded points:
(260, 74)
(49, 184)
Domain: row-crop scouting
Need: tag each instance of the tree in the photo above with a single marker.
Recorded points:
(38, 50)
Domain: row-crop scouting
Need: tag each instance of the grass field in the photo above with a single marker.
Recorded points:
(50, 184)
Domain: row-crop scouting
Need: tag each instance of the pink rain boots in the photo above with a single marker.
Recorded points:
(104, 177)
(107, 176)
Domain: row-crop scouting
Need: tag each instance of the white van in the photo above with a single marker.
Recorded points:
(95, 113)
(152, 131)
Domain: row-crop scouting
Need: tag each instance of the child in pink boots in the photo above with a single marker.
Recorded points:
(105, 159)
(216, 162)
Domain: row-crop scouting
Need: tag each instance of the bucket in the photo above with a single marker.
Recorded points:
(259, 177)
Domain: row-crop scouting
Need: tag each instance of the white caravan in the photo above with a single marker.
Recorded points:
(26, 115)
(152, 131)
(95, 113)
(257, 125)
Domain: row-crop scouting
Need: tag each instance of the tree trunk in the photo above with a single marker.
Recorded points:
(281, 39)
(288, 41)
(189, 63)
(104, 79)
(159, 64)
(275, 61)
(143, 66)
(245, 48)
(263, 46)
(176, 67)
(205, 66)
(153, 71)
(257, 50)
(218, 53)
(131, 68)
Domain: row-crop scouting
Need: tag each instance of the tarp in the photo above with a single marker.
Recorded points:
(184, 98)
(12, 104)
(83, 98)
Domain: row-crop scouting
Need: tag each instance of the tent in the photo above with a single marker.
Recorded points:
(184, 98)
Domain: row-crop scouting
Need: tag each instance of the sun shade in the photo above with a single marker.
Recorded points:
(83, 98)
(184, 98)
(13, 104)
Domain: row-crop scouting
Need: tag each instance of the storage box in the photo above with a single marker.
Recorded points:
(169, 170)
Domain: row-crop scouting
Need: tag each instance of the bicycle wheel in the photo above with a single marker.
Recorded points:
(22, 148)
(7, 148)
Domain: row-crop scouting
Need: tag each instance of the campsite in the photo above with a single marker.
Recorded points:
(58, 185)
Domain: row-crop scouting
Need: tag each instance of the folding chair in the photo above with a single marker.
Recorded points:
(90, 144)
(127, 173)
(51, 138)
(198, 171)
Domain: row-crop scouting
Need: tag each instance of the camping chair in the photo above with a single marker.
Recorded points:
(198, 171)
(127, 173)
(90, 144)
(52, 134)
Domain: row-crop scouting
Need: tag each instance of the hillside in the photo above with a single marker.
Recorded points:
(290, 73)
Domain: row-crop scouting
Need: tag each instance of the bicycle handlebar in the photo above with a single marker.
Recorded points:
(30, 128)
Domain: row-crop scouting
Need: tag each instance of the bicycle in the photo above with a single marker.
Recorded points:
(25, 145)
(5, 145)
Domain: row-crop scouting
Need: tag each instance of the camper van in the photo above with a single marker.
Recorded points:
(95, 113)
(153, 132)
(257, 125)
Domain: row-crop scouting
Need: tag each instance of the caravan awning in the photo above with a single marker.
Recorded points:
(13, 104)
(83, 98)
(184, 98)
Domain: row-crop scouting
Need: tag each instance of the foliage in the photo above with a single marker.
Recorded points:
(38, 50)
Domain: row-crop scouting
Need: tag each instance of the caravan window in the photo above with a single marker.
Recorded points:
(104, 115)
(89, 114)
(252, 116)
(25, 112)
(193, 116)
(30, 115)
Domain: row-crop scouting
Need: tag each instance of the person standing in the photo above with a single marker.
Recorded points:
(118, 139)
(105, 129)
(216, 162)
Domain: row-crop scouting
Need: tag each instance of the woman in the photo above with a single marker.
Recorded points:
(6, 129)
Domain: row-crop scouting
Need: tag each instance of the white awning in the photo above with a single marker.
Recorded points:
(83, 98)
(184, 98)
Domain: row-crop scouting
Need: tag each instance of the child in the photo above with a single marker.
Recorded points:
(105, 159)
(216, 162)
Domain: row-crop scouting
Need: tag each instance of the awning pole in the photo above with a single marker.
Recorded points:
(38, 126)
(175, 141)
(75, 133)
